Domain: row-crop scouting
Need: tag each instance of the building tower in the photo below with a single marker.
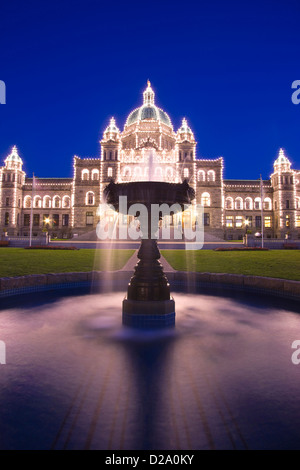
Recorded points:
(11, 183)
(284, 201)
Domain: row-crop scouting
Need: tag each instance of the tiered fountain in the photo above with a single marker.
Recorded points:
(148, 301)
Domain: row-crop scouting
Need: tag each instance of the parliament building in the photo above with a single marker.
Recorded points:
(148, 148)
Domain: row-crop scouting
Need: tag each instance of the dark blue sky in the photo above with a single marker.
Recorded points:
(226, 66)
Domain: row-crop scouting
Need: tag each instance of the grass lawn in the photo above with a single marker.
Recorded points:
(283, 264)
(19, 261)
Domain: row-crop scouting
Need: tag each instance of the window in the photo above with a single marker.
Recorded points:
(287, 220)
(7, 201)
(90, 198)
(275, 205)
(47, 202)
(229, 221)
(287, 204)
(65, 220)
(89, 218)
(257, 221)
(110, 155)
(66, 201)
(6, 218)
(248, 221)
(56, 201)
(268, 222)
(257, 202)
(297, 202)
(18, 219)
(180, 156)
(239, 203)
(201, 175)
(229, 203)
(205, 199)
(26, 220)
(46, 220)
(3, 178)
(267, 204)
(109, 172)
(19, 202)
(298, 221)
(55, 220)
(127, 173)
(206, 218)
(186, 173)
(8, 176)
(85, 175)
(239, 221)
(211, 176)
(116, 155)
(27, 202)
(36, 220)
(37, 202)
(95, 175)
(248, 203)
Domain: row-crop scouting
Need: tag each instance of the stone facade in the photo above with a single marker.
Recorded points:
(149, 149)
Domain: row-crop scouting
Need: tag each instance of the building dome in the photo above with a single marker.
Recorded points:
(185, 133)
(13, 158)
(111, 132)
(148, 111)
(282, 162)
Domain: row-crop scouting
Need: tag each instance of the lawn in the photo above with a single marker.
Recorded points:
(283, 264)
(19, 261)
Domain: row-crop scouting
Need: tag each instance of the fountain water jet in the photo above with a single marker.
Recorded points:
(148, 302)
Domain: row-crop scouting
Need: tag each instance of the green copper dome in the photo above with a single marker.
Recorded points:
(148, 110)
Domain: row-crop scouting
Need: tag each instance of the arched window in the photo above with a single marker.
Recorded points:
(169, 174)
(186, 173)
(90, 198)
(95, 174)
(248, 203)
(229, 203)
(238, 203)
(211, 176)
(27, 202)
(66, 201)
(37, 201)
(267, 204)
(201, 175)
(205, 199)
(257, 203)
(85, 174)
(137, 173)
(127, 173)
(297, 202)
(56, 202)
(158, 174)
(46, 202)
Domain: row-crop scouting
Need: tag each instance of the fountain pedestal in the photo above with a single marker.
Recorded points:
(148, 302)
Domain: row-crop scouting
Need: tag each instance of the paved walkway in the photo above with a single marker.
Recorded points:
(129, 266)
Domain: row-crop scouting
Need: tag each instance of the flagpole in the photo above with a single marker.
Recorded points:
(31, 212)
(262, 212)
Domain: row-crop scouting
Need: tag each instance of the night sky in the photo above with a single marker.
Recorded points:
(226, 66)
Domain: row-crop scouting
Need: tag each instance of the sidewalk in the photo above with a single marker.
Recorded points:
(129, 266)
